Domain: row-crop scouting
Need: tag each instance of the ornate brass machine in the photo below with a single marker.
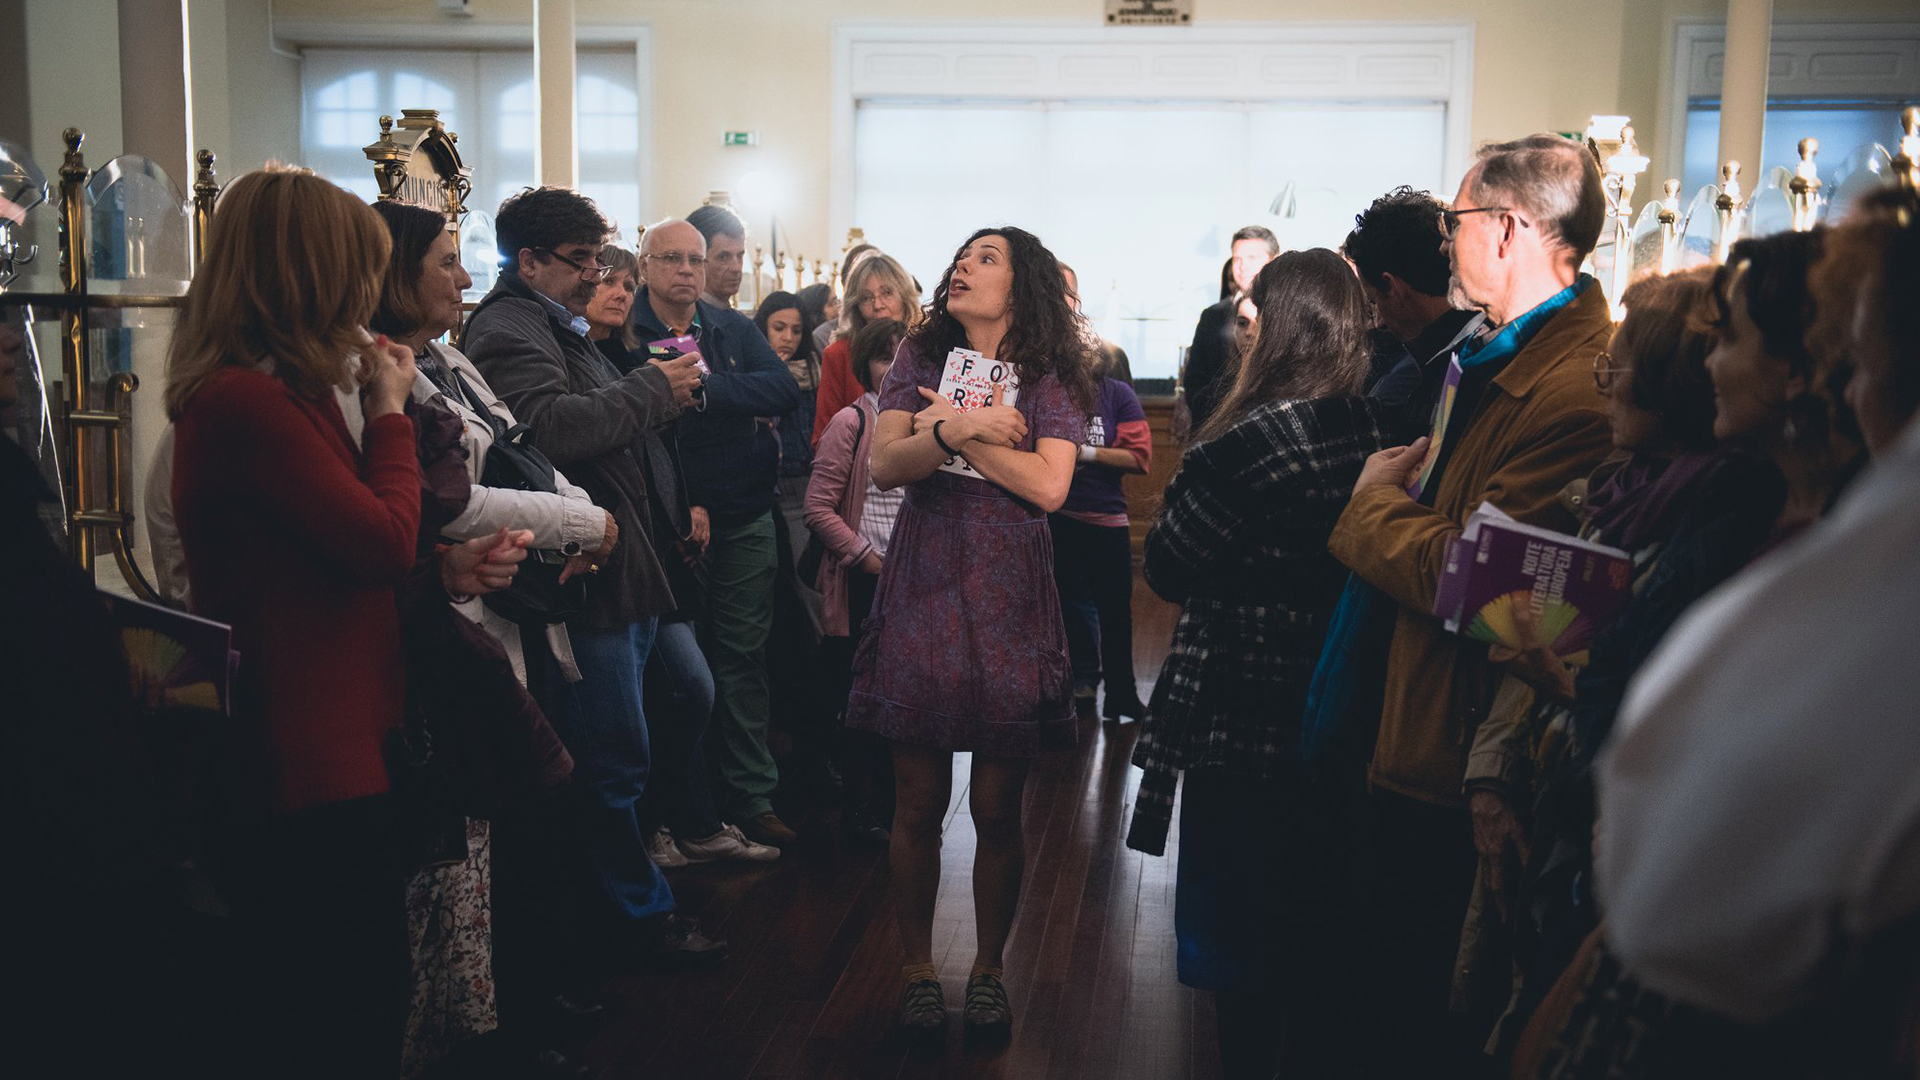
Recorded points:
(128, 242)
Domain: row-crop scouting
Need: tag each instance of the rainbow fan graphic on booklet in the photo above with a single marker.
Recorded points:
(175, 660)
(1575, 588)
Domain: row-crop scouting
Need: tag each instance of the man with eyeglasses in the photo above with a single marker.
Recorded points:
(528, 337)
(731, 461)
(1516, 420)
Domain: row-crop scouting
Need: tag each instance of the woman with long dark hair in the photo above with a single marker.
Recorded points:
(1241, 543)
(965, 650)
(783, 321)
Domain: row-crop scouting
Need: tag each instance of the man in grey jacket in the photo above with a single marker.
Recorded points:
(529, 339)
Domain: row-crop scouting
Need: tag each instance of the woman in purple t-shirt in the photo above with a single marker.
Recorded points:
(965, 649)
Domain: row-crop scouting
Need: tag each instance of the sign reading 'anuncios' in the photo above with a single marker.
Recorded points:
(417, 163)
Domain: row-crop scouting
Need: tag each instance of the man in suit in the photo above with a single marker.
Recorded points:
(1209, 374)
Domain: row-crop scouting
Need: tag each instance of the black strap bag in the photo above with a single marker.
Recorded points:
(537, 594)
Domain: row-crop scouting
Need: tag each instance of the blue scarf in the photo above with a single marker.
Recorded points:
(1364, 611)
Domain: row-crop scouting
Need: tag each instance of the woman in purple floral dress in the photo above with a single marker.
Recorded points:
(966, 650)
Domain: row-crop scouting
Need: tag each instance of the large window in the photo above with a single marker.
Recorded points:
(485, 97)
(1841, 83)
(1141, 199)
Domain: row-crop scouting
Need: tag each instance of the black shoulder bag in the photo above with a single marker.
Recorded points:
(536, 595)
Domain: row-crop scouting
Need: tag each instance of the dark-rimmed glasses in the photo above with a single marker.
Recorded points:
(1605, 371)
(591, 273)
(1450, 219)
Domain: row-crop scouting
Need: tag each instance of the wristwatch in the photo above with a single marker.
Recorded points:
(570, 548)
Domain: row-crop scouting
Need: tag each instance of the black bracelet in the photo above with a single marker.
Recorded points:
(951, 452)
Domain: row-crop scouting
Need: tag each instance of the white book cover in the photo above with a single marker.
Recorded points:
(968, 382)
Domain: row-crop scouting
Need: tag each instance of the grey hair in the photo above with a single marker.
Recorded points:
(1553, 180)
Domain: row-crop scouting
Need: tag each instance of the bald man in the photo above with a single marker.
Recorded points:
(731, 460)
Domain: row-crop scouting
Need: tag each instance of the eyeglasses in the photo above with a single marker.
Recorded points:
(676, 258)
(1605, 371)
(591, 273)
(1450, 219)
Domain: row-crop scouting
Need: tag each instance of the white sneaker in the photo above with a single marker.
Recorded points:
(664, 852)
(728, 843)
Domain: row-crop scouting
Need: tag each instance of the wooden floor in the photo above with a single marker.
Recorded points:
(814, 978)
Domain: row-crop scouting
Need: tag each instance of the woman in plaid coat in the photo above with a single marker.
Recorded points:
(1241, 542)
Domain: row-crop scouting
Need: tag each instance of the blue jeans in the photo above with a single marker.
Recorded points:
(606, 732)
(679, 703)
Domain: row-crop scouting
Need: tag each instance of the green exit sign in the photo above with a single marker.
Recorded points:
(739, 138)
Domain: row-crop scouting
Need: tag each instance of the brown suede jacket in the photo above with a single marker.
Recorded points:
(1540, 424)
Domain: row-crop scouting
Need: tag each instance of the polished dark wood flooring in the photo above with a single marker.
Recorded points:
(813, 983)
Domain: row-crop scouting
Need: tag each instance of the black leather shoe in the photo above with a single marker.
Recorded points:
(677, 940)
(859, 828)
(576, 1007)
(1130, 706)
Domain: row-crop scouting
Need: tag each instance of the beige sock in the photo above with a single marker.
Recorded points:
(983, 969)
(917, 972)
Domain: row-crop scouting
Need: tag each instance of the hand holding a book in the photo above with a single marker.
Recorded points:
(1393, 467)
(1533, 661)
(995, 424)
(683, 376)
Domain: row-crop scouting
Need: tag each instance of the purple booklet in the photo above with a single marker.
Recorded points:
(1574, 587)
(668, 348)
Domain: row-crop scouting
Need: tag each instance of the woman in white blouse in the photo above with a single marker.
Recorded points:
(417, 312)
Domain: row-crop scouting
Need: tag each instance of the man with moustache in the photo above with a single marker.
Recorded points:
(528, 337)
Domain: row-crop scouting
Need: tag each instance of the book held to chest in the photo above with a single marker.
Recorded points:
(968, 381)
(1575, 588)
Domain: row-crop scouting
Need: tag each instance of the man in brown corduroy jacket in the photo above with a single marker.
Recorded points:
(1519, 420)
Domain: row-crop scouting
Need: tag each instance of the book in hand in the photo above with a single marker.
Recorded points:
(1575, 588)
(175, 660)
(968, 381)
(669, 348)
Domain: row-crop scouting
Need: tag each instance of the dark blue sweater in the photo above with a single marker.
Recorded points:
(729, 457)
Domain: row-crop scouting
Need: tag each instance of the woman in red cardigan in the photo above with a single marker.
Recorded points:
(296, 533)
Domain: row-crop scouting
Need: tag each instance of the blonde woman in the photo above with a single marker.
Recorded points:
(879, 288)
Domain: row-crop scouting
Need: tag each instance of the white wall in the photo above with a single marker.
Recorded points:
(766, 65)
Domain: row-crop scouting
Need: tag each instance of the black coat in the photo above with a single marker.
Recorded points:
(591, 422)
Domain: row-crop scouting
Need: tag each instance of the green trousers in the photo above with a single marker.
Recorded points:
(741, 561)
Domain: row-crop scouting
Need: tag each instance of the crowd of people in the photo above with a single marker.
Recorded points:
(539, 601)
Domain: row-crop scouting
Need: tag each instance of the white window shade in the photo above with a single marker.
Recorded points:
(1141, 200)
(487, 98)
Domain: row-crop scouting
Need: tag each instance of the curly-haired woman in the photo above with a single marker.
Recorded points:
(965, 650)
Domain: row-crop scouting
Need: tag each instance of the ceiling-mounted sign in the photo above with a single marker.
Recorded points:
(1149, 12)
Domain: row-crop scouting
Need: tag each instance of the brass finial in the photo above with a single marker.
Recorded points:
(1804, 188)
(386, 129)
(1906, 163)
(204, 183)
(855, 237)
(74, 167)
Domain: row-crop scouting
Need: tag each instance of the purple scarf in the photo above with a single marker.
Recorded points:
(1643, 501)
